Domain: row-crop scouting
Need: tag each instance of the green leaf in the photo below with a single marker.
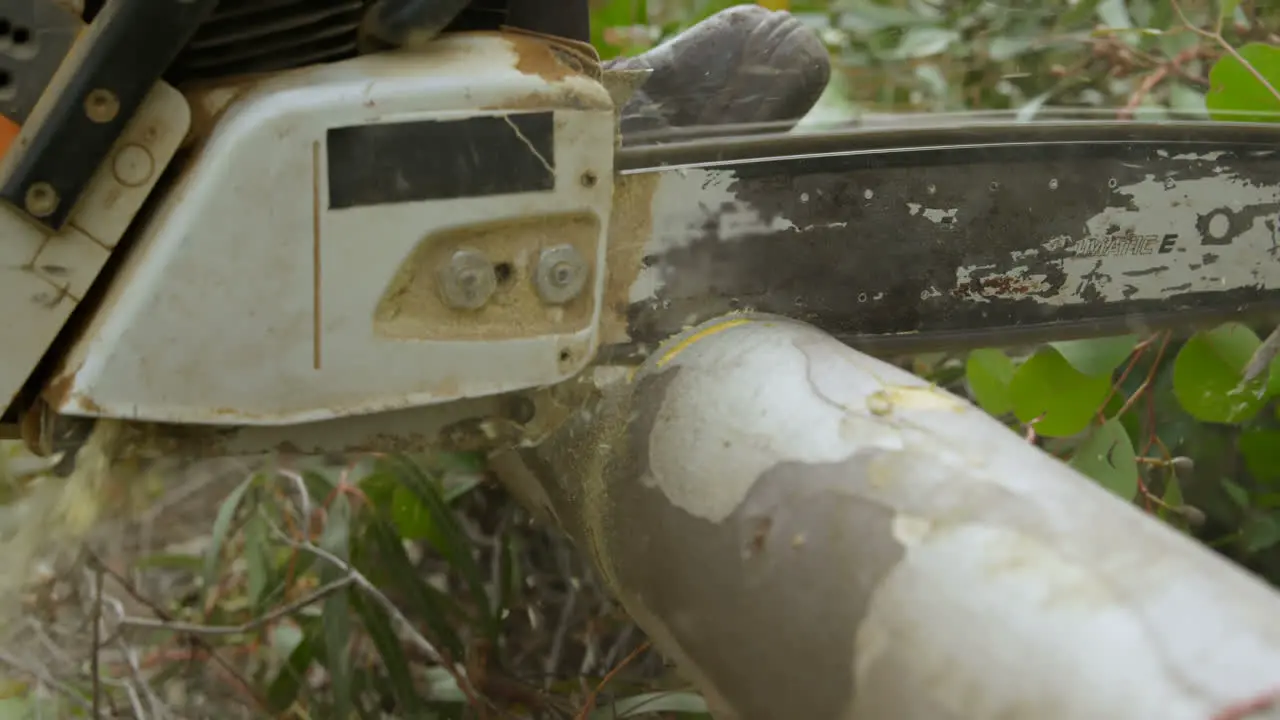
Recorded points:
(1141, 12)
(1227, 10)
(442, 686)
(1097, 356)
(283, 638)
(447, 537)
(1079, 12)
(458, 484)
(609, 15)
(382, 558)
(1172, 499)
(683, 703)
(1187, 100)
(1235, 92)
(17, 708)
(1173, 43)
(989, 373)
(1273, 376)
(1238, 495)
(290, 681)
(1115, 15)
(193, 564)
(867, 17)
(458, 462)
(380, 488)
(508, 574)
(1028, 111)
(31, 707)
(1007, 48)
(1261, 451)
(218, 538)
(257, 558)
(1108, 457)
(410, 515)
(1063, 399)
(921, 42)
(1207, 374)
(391, 655)
(1131, 420)
(336, 539)
(1260, 532)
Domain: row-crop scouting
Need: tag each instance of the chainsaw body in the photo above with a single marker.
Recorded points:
(326, 249)
(395, 229)
(280, 274)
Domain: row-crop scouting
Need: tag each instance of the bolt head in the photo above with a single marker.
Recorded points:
(561, 274)
(41, 199)
(467, 280)
(101, 105)
(133, 165)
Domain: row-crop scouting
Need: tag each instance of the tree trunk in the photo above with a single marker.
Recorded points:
(814, 534)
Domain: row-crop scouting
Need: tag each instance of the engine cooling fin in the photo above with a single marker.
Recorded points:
(252, 36)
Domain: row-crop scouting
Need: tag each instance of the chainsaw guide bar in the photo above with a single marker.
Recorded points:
(924, 238)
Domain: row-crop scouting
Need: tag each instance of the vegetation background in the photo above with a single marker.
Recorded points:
(415, 588)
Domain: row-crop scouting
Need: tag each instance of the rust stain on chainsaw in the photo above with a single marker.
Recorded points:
(566, 66)
(58, 392)
(999, 285)
(551, 58)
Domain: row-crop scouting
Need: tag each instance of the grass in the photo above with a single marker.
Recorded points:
(393, 587)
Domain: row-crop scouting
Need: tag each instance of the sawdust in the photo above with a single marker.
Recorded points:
(51, 515)
(75, 551)
(589, 452)
(630, 226)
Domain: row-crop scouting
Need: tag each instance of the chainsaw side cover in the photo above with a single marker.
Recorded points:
(299, 267)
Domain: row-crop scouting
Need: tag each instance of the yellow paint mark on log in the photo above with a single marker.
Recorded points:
(702, 334)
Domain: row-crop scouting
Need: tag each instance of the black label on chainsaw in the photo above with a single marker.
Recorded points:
(441, 159)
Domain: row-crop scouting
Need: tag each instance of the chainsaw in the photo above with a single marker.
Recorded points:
(343, 225)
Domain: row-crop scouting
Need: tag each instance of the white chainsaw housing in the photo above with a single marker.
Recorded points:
(288, 276)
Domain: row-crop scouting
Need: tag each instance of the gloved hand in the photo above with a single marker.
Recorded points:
(744, 65)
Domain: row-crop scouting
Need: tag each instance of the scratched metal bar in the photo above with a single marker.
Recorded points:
(900, 241)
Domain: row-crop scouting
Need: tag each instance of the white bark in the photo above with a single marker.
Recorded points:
(812, 533)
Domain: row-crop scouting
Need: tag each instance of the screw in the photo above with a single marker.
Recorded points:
(468, 280)
(589, 179)
(101, 105)
(133, 165)
(561, 274)
(41, 199)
